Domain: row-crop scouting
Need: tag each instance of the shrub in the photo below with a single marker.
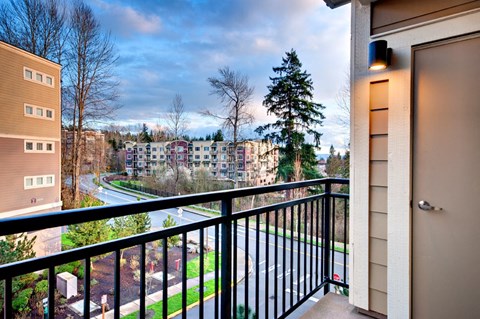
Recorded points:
(41, 289)
(20, 302)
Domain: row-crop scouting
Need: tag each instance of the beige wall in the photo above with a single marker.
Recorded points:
(380, 250)
(15, 128)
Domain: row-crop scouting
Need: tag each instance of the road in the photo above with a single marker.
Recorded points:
(265, 269)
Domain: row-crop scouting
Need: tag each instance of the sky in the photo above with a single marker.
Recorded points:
(169, 47)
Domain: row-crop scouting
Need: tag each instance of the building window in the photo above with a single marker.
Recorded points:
(38, 112)
(28, 74)
(140, 149)
(160, 149)
(224, 157)
(154, 156)
(38, 77)
(224, 148)
(206, 148)
(179, 148)
(206, 157)
(154, 149)
(180, 157)
(240, 156)
(39, 147)
(197, 148)
(39, 181)
(162, 156)
(197, 156)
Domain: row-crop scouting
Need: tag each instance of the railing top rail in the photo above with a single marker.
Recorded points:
(75, 216)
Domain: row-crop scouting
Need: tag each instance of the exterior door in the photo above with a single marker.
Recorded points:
(446, 175)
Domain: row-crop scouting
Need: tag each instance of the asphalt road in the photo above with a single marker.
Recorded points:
(266, 268)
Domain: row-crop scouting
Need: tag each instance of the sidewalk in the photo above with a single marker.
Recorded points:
(134, 306)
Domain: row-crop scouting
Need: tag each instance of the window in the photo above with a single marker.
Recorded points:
(39, 147)
(28, 74)
(154, 149)
(140, 149)
(129, 149)
(39, 181)
(224, 157)
(180, 157)
(179, 148)
(206, 148)
(38, 77)
(129, 156)
(140, 156)
(39, 112)
(154, 156)
(162, 156)
(206, 157)
(160, 149)
(197, 148)
(240, 156)
(197, 156)
(224, 148)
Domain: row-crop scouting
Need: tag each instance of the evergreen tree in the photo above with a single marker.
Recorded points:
(144, 134)
(290, 98)
(218, 136)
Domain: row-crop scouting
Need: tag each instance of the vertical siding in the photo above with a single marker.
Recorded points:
(378, 196)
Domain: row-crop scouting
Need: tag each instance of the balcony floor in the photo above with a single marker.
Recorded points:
(333, 306)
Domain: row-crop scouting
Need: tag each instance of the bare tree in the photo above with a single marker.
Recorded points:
(176, 118)
(343, 102)
(91, 88)
(235, 93)
(176, 126)
(37, 26)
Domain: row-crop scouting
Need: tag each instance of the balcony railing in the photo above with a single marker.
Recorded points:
(302, 239)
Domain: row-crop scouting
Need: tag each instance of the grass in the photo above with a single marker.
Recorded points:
(175, 301)
(116, 184)
(193, 266)
(338, 246)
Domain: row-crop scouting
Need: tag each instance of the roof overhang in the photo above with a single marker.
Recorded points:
(332, 4)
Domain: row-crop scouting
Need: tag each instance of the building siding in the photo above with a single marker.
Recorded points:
(15, 128)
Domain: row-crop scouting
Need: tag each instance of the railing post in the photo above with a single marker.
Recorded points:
(326, 225)
(226, 261)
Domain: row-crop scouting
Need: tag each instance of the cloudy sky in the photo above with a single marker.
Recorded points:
(169, 47)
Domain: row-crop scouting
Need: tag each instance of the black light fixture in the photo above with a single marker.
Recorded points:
(379, 55)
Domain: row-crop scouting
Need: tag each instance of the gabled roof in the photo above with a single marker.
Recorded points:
(332, 4)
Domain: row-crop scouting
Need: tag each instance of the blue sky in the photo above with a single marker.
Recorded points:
(172, 46)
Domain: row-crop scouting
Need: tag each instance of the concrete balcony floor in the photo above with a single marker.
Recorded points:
(333, 306)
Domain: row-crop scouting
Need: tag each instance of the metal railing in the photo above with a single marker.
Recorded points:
(299, 242)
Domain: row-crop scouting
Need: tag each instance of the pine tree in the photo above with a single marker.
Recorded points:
(290, 99)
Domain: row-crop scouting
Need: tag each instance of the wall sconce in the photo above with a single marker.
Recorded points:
(379, 56)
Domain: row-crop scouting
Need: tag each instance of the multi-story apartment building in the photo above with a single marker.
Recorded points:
(29, 136)
(92, 146)
(256, 161)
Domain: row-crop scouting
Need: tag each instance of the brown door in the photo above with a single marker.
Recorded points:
(446, 175)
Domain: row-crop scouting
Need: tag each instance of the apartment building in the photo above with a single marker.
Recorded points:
(29, 133)
(256, 161)
(92, 146)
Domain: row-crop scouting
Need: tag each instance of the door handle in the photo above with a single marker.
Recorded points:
(424, 205)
